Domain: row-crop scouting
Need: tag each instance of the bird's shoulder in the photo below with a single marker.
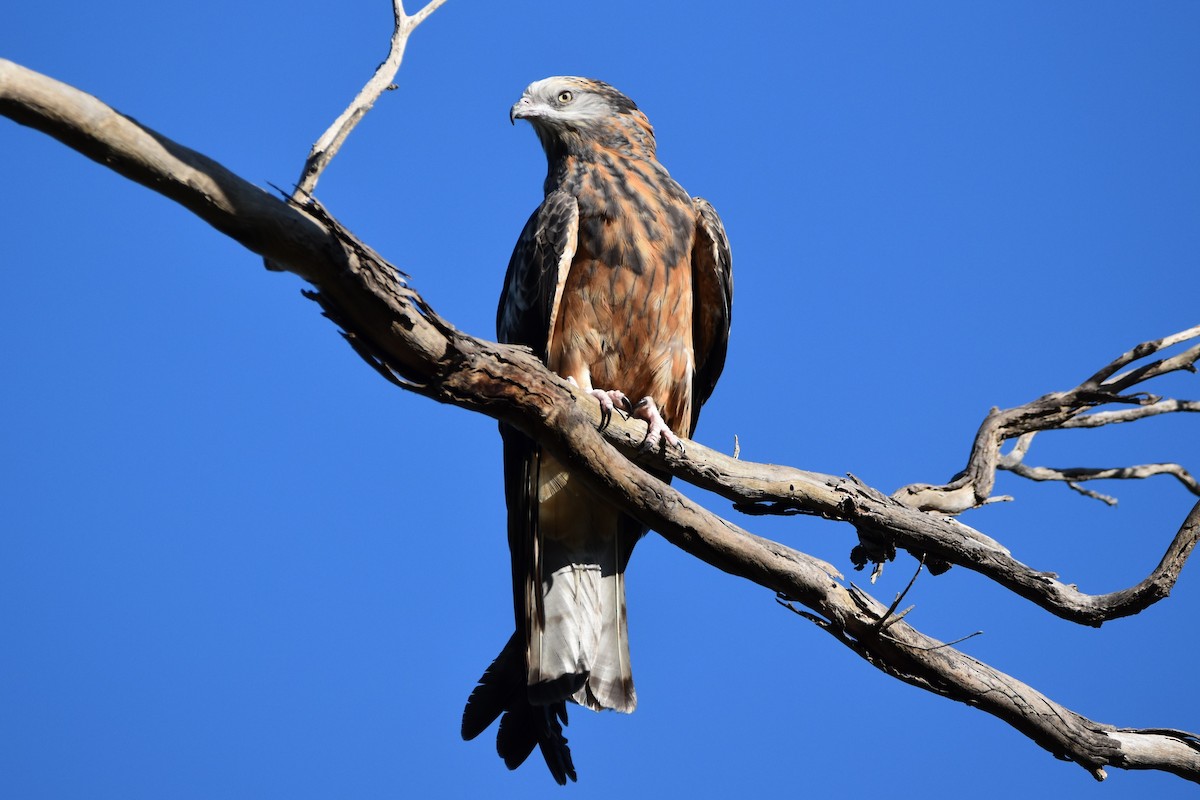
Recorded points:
(543, 250)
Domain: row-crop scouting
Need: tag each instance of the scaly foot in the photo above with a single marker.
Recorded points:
(656, 427)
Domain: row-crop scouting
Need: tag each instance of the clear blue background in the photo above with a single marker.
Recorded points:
(235, 563)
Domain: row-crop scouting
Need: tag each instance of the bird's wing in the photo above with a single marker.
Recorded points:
(528, 309)
(712, 291)
(523, 726)
(536, 273)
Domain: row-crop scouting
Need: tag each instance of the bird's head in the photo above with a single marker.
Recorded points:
(572, 114)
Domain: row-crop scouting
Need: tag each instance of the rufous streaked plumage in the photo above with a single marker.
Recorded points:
(621, 282)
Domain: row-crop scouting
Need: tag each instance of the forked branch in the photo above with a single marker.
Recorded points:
(1061, 410)
(392, 327)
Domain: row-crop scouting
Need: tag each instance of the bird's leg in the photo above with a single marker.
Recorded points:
(610, 400)
(656, 427)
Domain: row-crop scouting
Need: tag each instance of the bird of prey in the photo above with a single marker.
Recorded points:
(621, 283)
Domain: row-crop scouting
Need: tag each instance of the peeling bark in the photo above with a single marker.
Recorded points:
(394, 330)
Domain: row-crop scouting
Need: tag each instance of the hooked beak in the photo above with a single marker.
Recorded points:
(521, 109)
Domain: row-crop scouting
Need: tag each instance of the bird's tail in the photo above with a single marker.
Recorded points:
(524, 725)
(578, 645)
(569, 556)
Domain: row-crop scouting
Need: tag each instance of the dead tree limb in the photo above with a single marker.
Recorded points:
(973, 486)
(392, 327)
(327, 146)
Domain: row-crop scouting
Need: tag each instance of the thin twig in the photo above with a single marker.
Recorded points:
(1075, 475)
(1098, 418)
(931, 648)
(900, 595)
(331, 141)
(1107, 499)
(972, 487)
(1184, 361)
(1139, 352)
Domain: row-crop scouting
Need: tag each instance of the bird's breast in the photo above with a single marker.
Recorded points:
(625, 317)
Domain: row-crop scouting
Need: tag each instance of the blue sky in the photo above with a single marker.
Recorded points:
(235, 563)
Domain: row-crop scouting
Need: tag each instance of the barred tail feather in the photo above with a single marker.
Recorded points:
(581, 651)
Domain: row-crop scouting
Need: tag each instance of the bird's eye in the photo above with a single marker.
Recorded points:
(565, 97)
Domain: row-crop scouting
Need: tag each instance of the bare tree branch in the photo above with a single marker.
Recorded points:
(781, 490)
(392, 327)
(1096, 419)
(1077, 474)
(973, 486)
(1102, 377)
(326, 147)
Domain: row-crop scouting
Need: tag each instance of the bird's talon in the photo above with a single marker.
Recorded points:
(657, 429)
(609, 400)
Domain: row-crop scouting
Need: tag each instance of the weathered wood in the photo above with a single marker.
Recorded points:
(392, 327)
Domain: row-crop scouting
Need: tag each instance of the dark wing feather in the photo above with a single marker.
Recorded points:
(501, 693)
(712, 291)
(497, 687)
(528, 309)
(536, 273)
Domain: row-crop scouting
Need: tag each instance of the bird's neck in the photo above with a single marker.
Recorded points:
(571, 152)
(572, 169)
